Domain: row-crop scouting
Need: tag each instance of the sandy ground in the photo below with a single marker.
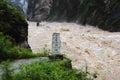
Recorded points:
(84, 45)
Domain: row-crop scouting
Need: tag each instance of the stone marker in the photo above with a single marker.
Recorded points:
(56, 43)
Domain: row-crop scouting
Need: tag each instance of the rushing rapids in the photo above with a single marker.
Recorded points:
(84, 45)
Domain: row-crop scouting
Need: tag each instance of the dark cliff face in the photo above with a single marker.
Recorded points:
(102, 13)
(38, 9)
(52, 10)
(64, 10)
(114, 20)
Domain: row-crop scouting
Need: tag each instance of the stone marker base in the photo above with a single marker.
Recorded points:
(55, 56)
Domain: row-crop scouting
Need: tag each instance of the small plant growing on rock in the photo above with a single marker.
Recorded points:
(44, 51)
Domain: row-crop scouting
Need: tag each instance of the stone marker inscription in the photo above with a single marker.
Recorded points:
(56, 43)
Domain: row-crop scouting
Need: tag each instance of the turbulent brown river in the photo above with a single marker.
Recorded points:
(84, 45)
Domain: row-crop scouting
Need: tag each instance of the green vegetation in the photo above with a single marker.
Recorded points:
(6, 71)
(46, 70)
(9, 50)
(12, 21)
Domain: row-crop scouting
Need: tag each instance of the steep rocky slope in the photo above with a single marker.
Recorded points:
(103, 13)
(85, 45)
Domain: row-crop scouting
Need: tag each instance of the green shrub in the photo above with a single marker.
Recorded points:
(47, 70)
(9, 50)
(6, 70)
(12, 22)
(26, 53)
(10, 17)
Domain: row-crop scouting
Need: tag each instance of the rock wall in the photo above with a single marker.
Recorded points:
(103, 13)
(38, 9)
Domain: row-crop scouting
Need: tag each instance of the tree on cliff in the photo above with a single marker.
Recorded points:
(12, 22)
(13, 32)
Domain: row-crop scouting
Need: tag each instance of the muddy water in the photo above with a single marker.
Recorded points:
(85, 45)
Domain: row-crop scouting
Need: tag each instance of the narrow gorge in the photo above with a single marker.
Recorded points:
(89, 29)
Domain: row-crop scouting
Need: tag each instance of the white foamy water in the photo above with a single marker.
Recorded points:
(99, 49)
